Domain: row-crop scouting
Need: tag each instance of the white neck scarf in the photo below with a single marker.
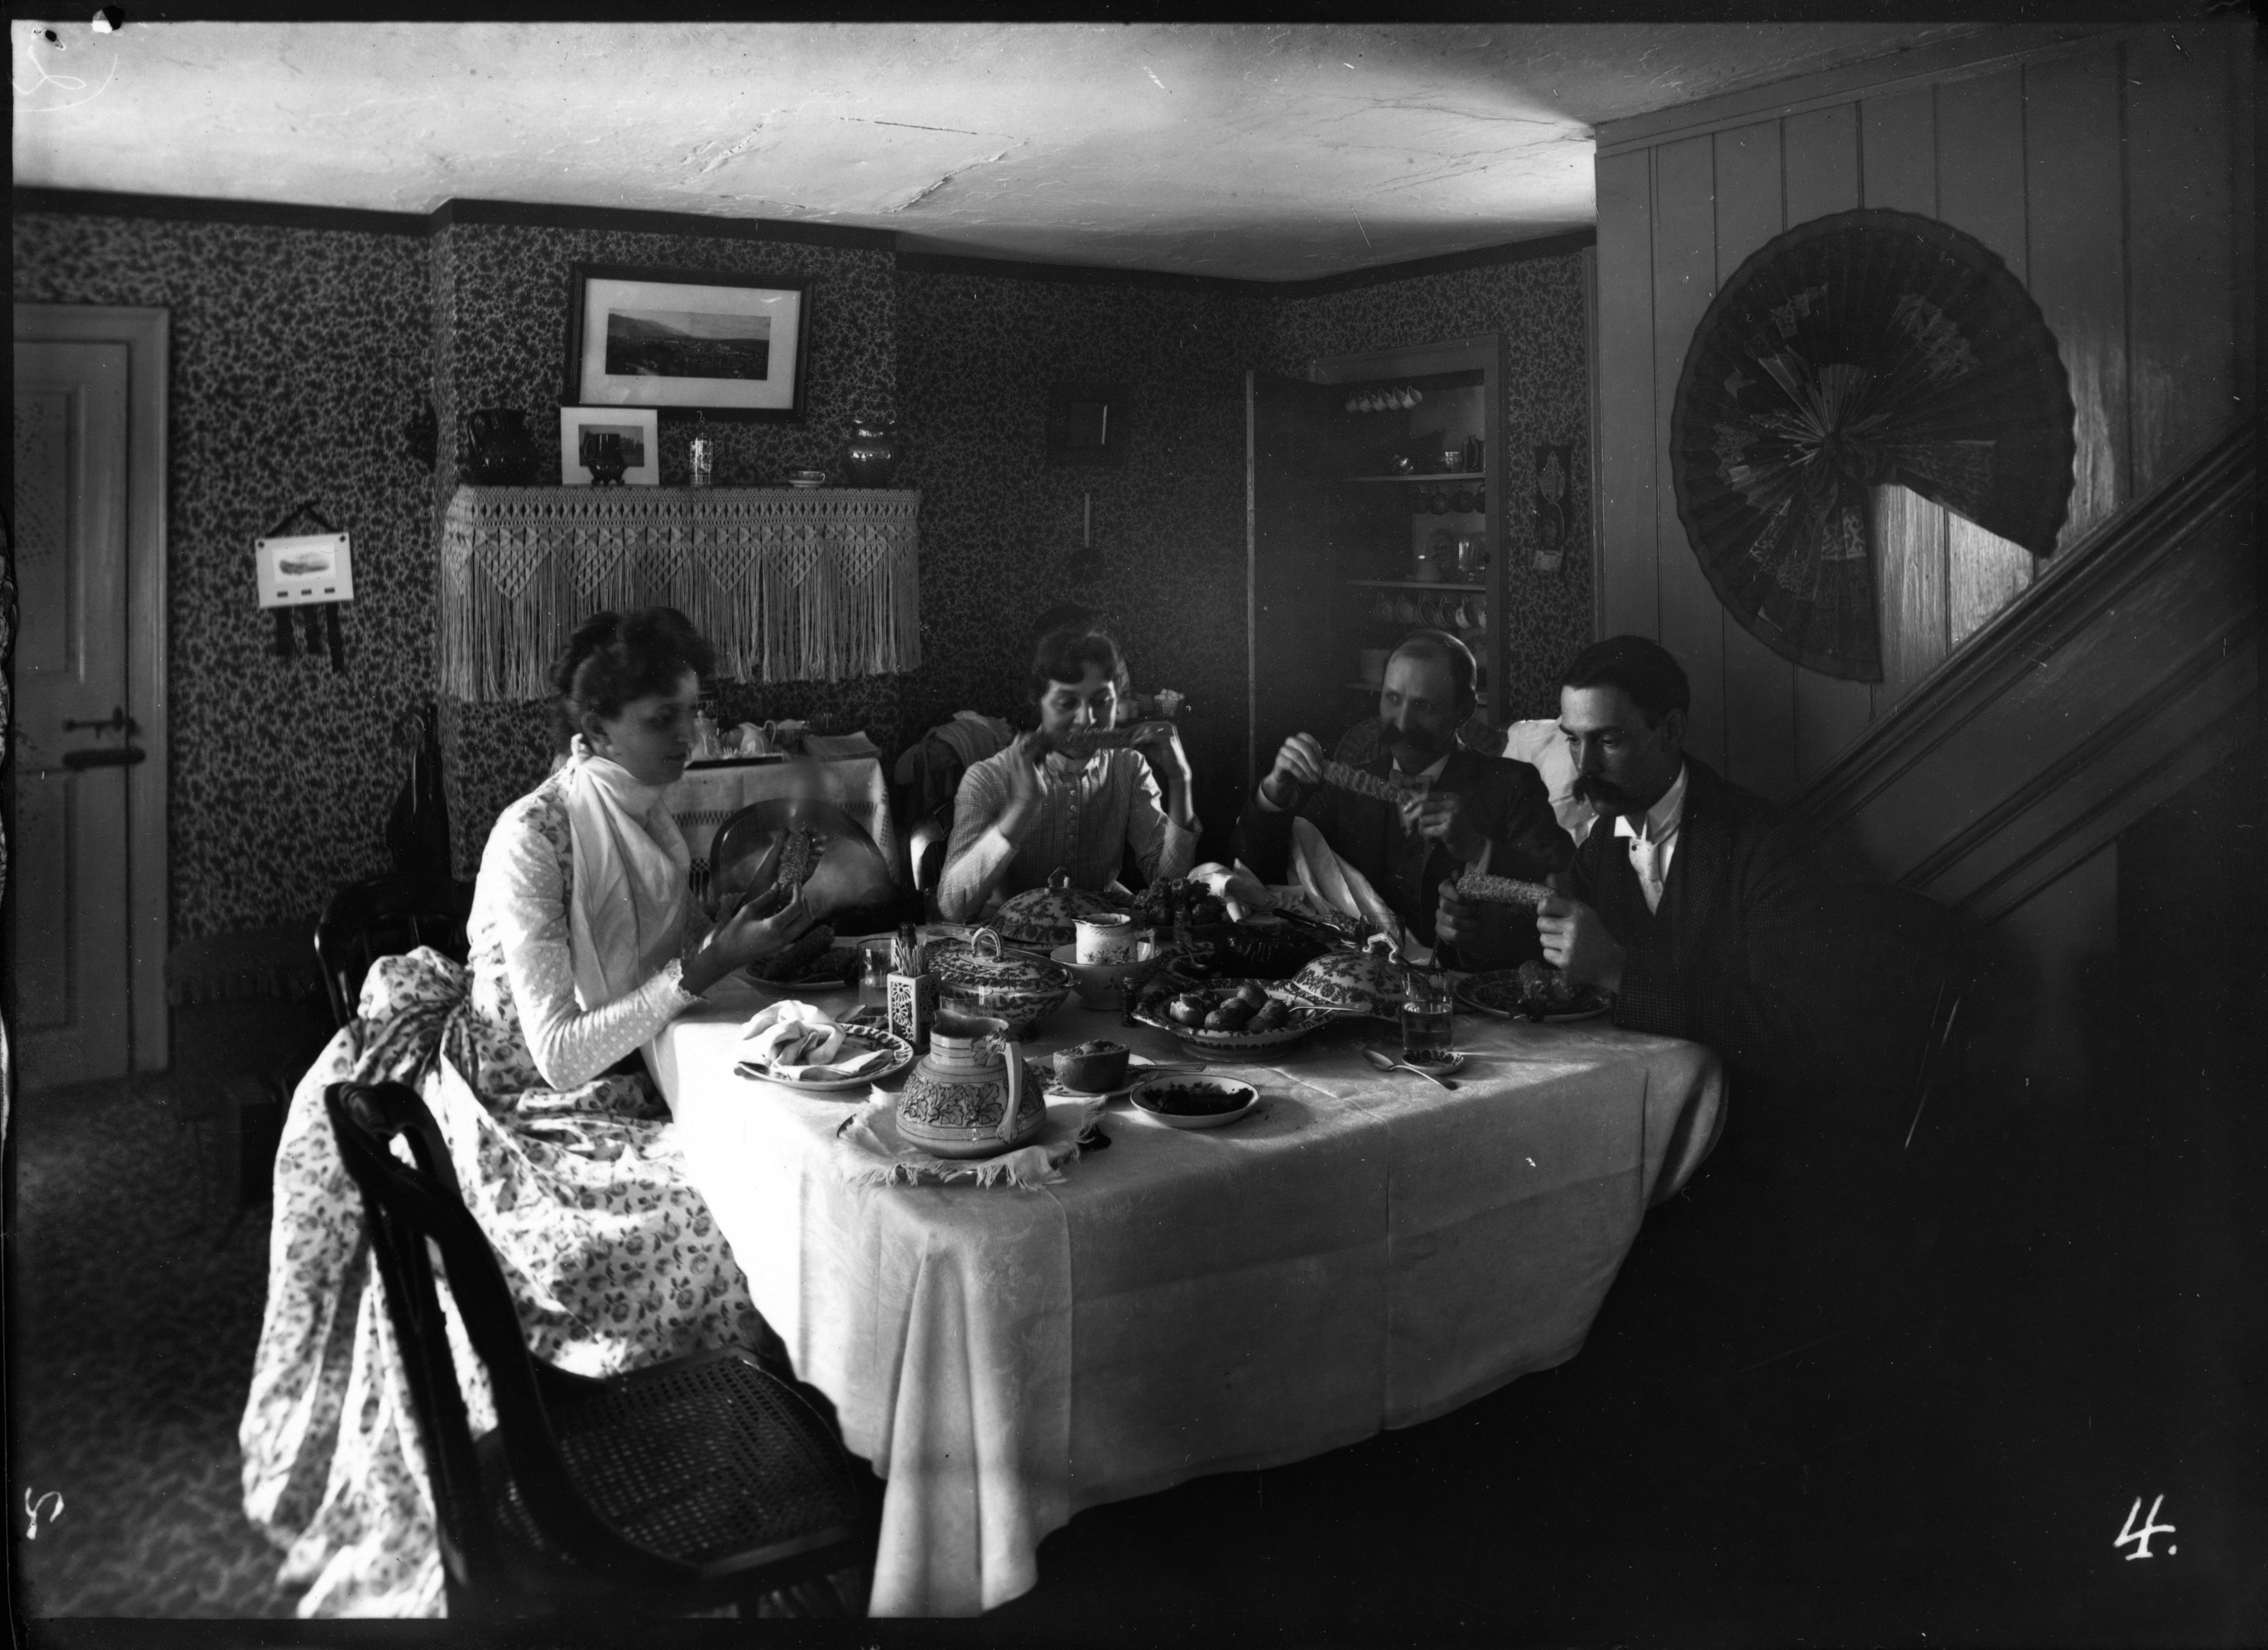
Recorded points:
(631, 869)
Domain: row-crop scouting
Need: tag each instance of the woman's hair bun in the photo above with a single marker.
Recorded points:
(595, 632)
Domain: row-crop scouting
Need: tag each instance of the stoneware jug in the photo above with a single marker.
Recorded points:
(498, 451)
(969, 1095)
(871, 456)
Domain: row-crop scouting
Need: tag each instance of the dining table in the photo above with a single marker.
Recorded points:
(1362, 1250)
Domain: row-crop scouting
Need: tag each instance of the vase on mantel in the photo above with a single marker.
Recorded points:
(871, 456)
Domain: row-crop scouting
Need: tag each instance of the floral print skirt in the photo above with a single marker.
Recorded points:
(611, 1255)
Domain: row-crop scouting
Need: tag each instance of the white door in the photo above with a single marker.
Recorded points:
(73, 988)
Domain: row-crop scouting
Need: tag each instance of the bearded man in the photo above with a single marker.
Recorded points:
(1455, 807)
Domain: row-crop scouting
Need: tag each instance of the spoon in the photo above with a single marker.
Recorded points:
(1385, 1064)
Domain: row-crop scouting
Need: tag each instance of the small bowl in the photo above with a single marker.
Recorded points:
(1093, 1073)
(1195, 1103)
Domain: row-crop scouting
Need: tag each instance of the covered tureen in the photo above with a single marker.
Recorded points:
(986, 978)
(1044, 919)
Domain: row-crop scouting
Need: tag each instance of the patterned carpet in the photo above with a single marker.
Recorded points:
(133, 1311)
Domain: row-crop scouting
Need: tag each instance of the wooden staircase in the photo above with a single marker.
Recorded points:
(2128, 669)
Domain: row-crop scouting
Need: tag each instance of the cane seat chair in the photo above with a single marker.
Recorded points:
(386, 916)
(674, 1490)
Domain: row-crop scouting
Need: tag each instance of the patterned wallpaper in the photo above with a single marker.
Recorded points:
(500, 299)
(1537, 304)
(298, 355)
(977, 356)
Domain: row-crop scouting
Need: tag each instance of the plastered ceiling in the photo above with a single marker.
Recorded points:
(1266, 151)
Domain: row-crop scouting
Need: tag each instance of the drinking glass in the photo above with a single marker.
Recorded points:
(1428, 1028)
(874, 975)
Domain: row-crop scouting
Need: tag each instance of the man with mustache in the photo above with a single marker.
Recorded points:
(1691, 902)
(1460, 808)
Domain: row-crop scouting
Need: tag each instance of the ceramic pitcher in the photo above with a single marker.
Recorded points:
(970, 1096)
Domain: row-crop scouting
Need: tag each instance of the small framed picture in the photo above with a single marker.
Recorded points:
(727, 345)
(584, 447)
(302, 569)
(1087, 425)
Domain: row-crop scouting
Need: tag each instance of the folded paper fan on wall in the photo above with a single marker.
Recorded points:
(1854, 351)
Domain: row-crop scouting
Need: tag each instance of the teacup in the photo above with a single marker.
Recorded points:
(1106, 937)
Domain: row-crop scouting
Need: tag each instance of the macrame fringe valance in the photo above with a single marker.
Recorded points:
(788, 586)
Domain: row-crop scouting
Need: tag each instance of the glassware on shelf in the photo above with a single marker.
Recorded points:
(1431, 561)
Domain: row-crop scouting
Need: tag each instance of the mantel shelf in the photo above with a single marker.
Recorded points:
(1418, 583)
(789, 583)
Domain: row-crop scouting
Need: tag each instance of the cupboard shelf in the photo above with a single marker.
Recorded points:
(1433, 476)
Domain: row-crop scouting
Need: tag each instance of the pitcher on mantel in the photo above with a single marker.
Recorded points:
(970, 1095)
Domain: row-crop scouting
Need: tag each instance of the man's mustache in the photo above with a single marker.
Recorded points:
(1398, 735)
(1600, 792)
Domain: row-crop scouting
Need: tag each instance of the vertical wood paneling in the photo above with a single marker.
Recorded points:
(2181, 363)
(2076, 245)
(1898, 159)
(1759, 684)
(2113, 182)
(1628, 603)
(1916, 636)
(1684, 281)
(1820, 162)
(1897, 154)
(1980, 191)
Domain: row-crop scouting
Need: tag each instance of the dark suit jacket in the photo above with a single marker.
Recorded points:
(1508, 798)
(1815, 987)
(1742, 929)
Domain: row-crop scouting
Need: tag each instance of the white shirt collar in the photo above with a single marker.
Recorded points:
(1663, 818)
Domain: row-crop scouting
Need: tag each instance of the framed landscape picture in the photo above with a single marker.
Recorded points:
(727, 345)
(638, 450)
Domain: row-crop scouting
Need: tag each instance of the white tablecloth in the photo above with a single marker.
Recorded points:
(1365, 1251)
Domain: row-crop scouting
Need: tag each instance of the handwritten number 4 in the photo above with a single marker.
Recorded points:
(2150, 1527)
(32, 1512)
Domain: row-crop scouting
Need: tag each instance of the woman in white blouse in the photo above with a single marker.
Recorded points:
(583, 944)
(1035, 808)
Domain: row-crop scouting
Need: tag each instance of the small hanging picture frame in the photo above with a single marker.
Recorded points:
(305, 569)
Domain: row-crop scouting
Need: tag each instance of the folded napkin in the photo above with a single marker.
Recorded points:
(870, 1152)
(795, 1041)
(1242, 892)
(1330, 881)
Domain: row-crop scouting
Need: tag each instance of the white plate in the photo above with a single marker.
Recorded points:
(1473, 992)
(902, 1055)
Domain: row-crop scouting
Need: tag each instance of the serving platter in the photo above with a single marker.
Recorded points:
(1303, 1018)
